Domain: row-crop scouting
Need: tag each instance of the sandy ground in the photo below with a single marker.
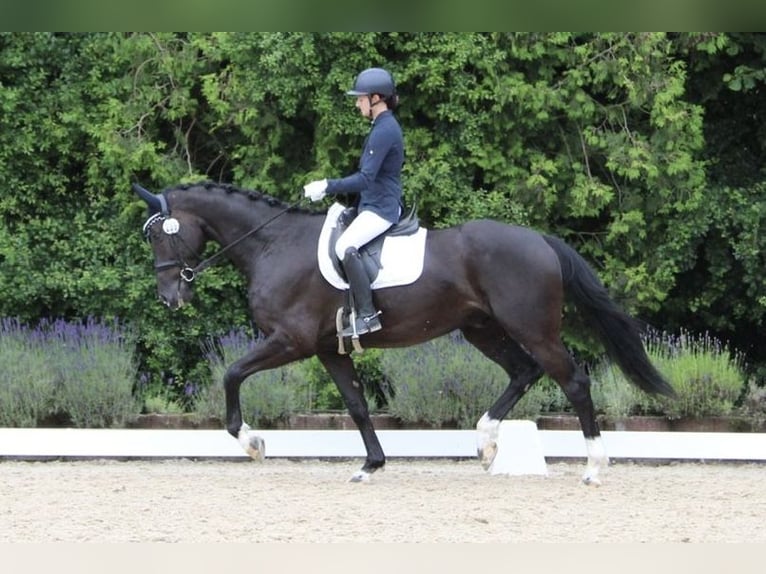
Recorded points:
(411, 501)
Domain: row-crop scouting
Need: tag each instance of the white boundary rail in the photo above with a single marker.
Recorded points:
(34, 444)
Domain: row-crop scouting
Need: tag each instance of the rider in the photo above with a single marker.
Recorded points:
(377, 184)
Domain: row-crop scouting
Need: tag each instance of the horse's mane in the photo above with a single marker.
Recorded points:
(250, 194)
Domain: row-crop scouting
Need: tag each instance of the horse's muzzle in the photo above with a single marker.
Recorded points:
(173, 298)
(175, 304)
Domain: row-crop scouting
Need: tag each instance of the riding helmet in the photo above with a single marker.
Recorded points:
(373, 81)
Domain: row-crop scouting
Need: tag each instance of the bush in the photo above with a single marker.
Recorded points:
(707, 377)
(376, 383)
(272, 396)
(95, 369)
(321, 393)
(266, 398)
(27, 377)
(614, 396)
(447, 381)
(82, 373)
(317, 389)
(754, 403)
(545, 396)
(161, 403)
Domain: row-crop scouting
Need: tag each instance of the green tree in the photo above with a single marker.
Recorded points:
(643, 150)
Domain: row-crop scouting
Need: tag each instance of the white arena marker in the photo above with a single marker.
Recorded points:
(519, 449)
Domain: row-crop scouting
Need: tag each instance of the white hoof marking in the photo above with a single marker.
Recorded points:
(597, 461)
(253, 445)
(487, 430)
(361, 476)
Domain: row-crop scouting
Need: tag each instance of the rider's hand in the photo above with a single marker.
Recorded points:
(315, 190)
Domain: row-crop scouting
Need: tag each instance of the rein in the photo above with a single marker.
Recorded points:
(188, 274)
(202, 265)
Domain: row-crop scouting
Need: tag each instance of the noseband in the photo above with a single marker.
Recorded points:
(187, 273)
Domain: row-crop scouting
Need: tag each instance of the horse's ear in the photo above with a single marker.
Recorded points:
(154, 201)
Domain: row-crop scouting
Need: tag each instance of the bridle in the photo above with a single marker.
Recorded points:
(171, 228)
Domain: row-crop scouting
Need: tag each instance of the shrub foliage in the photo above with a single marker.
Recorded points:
(80, 374)
(644, 150)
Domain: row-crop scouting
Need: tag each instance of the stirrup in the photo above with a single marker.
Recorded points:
(363, 325)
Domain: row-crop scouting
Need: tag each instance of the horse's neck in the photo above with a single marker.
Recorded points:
(250, 228)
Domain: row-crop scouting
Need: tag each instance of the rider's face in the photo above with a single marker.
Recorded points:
(364, 103)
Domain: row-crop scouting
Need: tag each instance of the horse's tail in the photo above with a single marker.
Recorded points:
(619, 332)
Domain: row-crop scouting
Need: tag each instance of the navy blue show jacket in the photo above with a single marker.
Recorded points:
(378, 181)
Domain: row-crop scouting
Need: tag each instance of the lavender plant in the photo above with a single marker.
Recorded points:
(448, 381)
(266, 398)
(95, 366)
(82, 372)
(27, 377)
(708, 377)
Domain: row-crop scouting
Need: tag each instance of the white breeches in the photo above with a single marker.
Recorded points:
(366, 227)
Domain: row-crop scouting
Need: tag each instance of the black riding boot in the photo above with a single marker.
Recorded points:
(366, 316)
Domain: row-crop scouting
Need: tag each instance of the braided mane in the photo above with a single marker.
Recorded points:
(248, 193)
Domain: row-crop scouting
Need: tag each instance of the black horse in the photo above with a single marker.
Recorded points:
(502, 285)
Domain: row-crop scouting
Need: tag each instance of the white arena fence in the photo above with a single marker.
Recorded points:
(36, 443)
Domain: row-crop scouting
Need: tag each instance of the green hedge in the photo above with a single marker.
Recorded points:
(644, 150)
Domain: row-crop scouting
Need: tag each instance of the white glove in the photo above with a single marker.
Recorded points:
(315, 190)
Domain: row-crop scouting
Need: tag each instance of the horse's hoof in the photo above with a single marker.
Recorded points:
(254, 445)
(361, 476)
(256, 448)
(591, 480)
(487, 430)
(487, 455)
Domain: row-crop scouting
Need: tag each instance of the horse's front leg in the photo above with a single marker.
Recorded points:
(253, 444)
(342, 371)
(270, 353)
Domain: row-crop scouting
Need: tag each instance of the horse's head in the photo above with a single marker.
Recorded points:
(176, 240)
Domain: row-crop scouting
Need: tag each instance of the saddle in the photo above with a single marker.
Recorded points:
(403, 263)
(370, 253)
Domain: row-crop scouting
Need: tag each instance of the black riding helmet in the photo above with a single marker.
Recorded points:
(373, 81)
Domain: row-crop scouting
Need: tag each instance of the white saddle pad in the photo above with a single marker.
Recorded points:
(401, 257)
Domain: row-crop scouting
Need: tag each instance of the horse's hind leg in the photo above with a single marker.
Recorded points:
(557, 362)
(523, 371)
(577, 390)
(342, 371)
